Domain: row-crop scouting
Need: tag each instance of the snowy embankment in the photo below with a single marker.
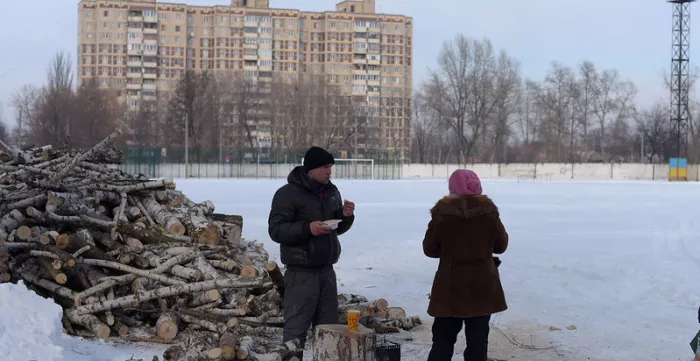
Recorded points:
(31, 330)
(30, 325)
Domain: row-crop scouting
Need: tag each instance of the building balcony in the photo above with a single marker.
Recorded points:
(136, 19)
(134, 52)
(360, 51)
(134, 75)
(150, 19)
(373, 82)
(150, 64)
(360, 29)
(359, 61)
(134, 64)
(150, 76)
(150, 52)
(150, 31)
(373, 72)
(375, 61)
(151, 86)
(250, 57)
(149, 98)
(150, 41)
(133, 86)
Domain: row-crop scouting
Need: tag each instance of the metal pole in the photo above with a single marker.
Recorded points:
(257, 166)
(221, 149)
(187, 145)
(354, 151)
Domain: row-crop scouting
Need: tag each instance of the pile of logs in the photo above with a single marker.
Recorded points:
(130, 257)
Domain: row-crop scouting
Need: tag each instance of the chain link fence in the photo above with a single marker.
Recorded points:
(251, 163)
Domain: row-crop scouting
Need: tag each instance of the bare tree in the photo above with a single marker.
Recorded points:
(507, 91)
(194, 102)
(555, 100)
(605, 102)
(583, 94)
(527, 114)
(464, 89)
(25, 102)
(100, 113)
(423, 126)
(653, 125)
(4, 133)
(55, 116)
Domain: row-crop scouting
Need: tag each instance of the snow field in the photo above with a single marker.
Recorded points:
(617, 260)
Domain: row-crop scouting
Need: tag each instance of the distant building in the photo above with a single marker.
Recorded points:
(141, 49)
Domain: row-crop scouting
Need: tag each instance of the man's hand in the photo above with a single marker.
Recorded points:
(348, 208)
(318, 228)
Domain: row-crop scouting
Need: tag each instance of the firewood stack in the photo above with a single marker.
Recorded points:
(130, 257)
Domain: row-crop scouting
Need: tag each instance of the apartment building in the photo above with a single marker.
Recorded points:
(141, 48)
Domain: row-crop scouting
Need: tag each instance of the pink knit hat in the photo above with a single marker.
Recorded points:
(464, 182)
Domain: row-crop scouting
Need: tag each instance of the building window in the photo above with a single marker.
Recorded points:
(106, 13)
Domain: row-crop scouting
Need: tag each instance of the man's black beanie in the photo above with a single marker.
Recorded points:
(317, 157)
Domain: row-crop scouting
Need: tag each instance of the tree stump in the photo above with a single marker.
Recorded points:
(336, 343)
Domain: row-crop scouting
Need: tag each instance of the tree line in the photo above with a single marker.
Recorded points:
(219, 111)
(476, 106)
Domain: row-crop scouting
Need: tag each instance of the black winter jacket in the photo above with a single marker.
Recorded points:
(294, 206)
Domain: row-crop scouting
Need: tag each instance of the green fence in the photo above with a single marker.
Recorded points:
(251, 163)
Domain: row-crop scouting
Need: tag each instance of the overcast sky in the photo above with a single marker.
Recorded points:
(633, 36)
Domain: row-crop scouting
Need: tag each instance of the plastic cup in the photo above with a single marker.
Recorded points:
(353, 320)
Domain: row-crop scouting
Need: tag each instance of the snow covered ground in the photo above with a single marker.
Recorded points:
(618, 260)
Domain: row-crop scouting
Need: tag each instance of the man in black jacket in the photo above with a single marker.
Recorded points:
(308, 248)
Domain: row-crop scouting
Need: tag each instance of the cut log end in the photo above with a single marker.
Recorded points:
(214, 353)
(248, 271)
(166, 326)
(209, 235)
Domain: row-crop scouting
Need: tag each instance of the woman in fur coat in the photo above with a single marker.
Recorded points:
(464, 233)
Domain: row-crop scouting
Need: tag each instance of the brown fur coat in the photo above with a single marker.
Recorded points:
(464, 233)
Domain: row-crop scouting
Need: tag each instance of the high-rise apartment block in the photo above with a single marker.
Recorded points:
(141, 48)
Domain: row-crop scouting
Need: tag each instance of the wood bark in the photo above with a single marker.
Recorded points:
(336, 343)
(163, 217)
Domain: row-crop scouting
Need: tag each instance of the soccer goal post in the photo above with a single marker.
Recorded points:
(354, 168)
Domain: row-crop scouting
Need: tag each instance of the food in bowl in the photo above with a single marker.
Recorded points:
(332, 223)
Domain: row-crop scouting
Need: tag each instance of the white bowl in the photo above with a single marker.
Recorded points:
(332, 223)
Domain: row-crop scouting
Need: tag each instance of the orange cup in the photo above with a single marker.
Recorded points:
(353, 320)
